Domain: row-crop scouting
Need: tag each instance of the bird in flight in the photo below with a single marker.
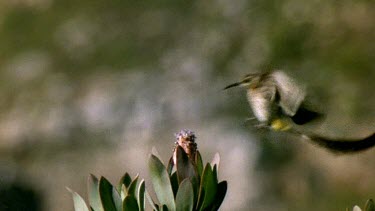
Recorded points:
(279, 102)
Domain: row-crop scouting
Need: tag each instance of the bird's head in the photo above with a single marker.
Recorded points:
(247, 81)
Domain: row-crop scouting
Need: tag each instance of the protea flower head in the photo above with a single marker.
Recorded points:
(186, 140)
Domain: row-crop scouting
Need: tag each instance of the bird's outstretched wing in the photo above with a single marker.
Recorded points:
(291, 94)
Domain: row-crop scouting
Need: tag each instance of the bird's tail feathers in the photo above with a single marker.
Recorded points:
(305, 115)
(344, 146)
(339, 145)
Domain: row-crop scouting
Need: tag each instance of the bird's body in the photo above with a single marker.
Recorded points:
(277, 101)
(274, 98)
(261, 96)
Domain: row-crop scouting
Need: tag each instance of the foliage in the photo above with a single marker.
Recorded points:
(128, 195)
(181, 185)
(190, 186)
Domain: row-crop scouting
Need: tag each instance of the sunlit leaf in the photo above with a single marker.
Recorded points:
(151, 202)
(79, 203)
(123, 192)
(133, 187)
(116, 199)
(214, 174)
(216, 160)
(161, 182)
(94, 197)
(141, 195)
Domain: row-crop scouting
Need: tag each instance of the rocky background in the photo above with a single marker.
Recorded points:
(91, 86)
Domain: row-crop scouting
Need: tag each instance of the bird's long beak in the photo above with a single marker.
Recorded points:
(232, 85)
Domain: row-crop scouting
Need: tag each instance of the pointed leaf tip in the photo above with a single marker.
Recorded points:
(216, 160)
(125, 180)
(141, 195)
(155, 152)
(132, 187)
(78, 202)
(208, 188)
(94, 197)
(106, 194)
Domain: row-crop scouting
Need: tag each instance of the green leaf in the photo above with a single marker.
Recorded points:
(170, 165)
(162, 184)
(155, 152)
(174, 183)
(153, 205)
(185, 196)
(141, 195)
(117, 199)
(199, 163)
(185, 168)
(216, 160)
(79, 203)
(130, 203)
(133, 187)
(214, 174)
(370, 206)
(200, 198)
(125, 180)
(123, 192)
(195, 182)
(105, 191)
(220, 195)
(208, 188)
(94, 197)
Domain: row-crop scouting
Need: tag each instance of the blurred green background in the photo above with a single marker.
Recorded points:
(92, 86)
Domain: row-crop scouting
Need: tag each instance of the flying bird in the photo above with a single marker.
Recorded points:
(276, 98)
(278, 102)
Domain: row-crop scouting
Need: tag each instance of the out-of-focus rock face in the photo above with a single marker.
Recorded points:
(88, 86)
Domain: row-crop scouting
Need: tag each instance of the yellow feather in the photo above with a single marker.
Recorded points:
(280, 125)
